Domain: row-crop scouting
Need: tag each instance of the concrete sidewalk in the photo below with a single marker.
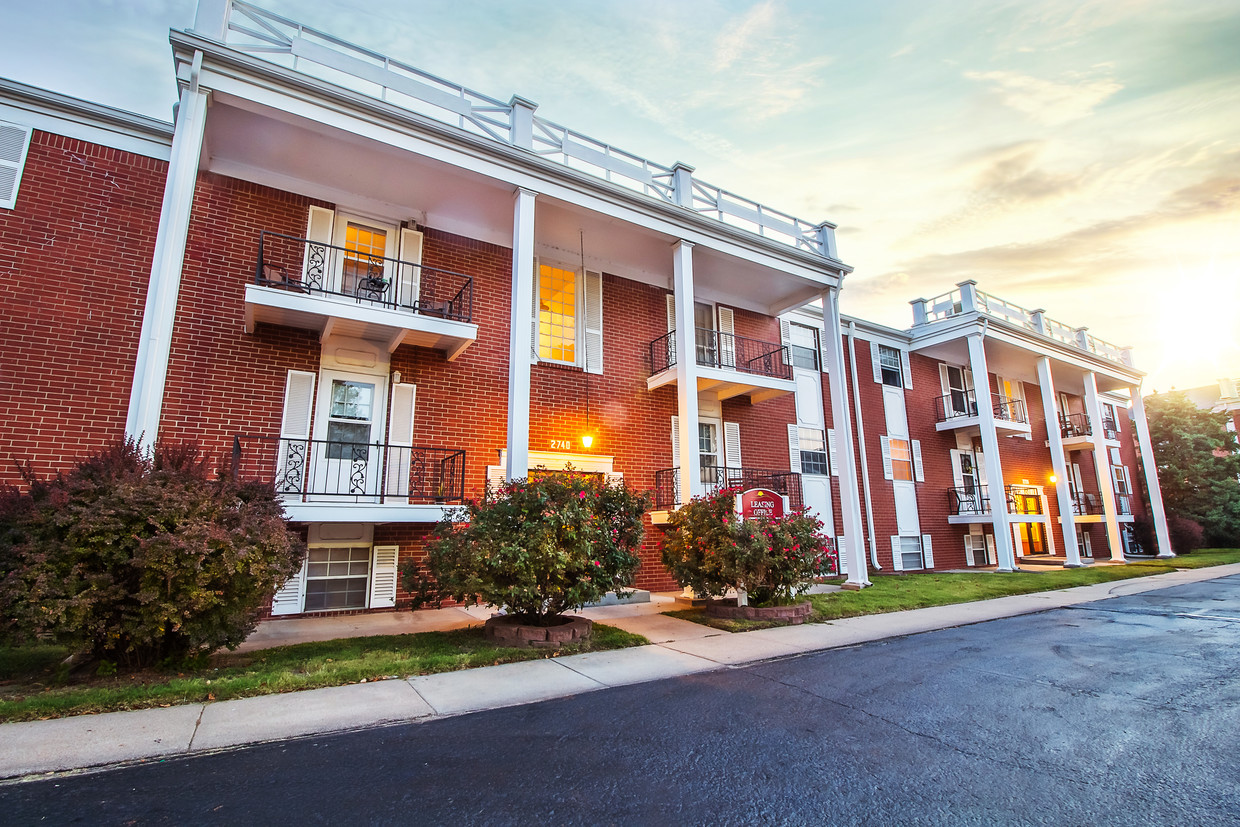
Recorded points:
(678, 648)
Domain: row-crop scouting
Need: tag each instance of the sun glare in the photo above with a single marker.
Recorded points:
(1199, 330)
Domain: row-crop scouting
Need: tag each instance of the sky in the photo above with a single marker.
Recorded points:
(1077, 156)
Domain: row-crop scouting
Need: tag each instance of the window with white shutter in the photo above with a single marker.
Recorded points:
(293, 453)
(14, 145)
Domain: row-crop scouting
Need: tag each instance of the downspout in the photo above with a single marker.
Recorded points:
(865, 466)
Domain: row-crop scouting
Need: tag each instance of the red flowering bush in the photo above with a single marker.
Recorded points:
(539, 547)
(710, 549)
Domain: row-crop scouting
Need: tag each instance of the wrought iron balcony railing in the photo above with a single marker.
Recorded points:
(305, 266)
(1109, 429)
(967, 501)
(726, 351)
(1074, 425)
(718, 477)
(1023, 499)
(330, 471)
(1086, 502)
(961, 404)
(1123, 504)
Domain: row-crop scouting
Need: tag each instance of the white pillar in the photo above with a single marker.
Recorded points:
(146, 397)
(686, 372)
(1102, 462)
(850, 502)
(1059, 464)
(990, 450)
(521, 337)
(211, 18)
(1149, 467)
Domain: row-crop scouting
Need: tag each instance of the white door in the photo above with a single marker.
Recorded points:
(364, 268)
(348, 437)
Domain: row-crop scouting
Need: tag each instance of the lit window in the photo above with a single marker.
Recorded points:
(889, 362)
(363, 258)
(557, 314)
(901, 459)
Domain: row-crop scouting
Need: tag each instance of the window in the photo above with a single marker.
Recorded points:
(910, 553)
(957, 392)
(708, 449)
(901, 459)
(889, 364)
(1110, 425)
(336, 578)
(14, 143)
(803, 344)
(557, 314)
(813, 445)
(350, 417)
(365, 248)
(1082, 542)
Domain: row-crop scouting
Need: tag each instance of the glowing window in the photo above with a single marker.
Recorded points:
(363, 258)
(557, 314)
(901, 460)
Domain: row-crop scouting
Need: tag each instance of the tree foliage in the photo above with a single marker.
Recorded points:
(710, 549)
(539, 547)
(1198, 466)
(141, 557)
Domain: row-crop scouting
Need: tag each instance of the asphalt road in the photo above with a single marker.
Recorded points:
(1125, 711)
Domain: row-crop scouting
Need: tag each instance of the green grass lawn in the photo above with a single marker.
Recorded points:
(33, 686)
(894, 593)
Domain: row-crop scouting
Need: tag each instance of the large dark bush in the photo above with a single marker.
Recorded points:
(539, 547)
(1186, 534)
(141, 557)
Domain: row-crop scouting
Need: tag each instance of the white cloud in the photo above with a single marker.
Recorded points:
(1048, 101)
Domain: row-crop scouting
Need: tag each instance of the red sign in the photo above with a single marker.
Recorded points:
(760, 502)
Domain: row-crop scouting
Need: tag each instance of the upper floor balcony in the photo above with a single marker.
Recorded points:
(718, 477)
(727, 365)
(958, 410)
(965, 504)
(330, 480)
(351, 291)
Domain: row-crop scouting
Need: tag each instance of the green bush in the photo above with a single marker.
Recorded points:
(538, 547)
(710, 549)
(137, 557)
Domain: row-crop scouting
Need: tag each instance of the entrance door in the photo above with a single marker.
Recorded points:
(1031, 538)
(711, 463)
(704, 334)
(957, 382)
(363, 268)
(969, 495)
(348, 437)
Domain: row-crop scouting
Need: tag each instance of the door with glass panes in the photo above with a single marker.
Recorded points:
(348, 437)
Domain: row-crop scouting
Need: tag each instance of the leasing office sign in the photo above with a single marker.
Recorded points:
(760, 503)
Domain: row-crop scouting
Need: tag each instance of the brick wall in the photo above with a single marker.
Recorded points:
(75, 259)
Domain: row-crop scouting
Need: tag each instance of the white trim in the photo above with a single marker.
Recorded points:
(558, 461)
(14, 146)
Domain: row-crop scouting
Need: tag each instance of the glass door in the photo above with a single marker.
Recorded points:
(347, 455)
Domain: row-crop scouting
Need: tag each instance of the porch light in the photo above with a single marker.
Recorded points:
(1053, 479)
(587, 440)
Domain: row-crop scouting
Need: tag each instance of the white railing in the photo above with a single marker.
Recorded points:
(944, 306)
(284, 42)
(1060, 332)
(1107, 350)
(1000, 309)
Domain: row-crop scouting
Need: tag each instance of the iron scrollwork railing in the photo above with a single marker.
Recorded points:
(1086, 502)
(1023, 499)
(306, 469)
(726, 351)
(304, 266)
(961, 403)
(968, 501)
(718, 477)
(1074, 425)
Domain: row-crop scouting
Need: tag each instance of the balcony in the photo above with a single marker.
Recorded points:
(967, 503)
(1086, 504)
(335, 290)
(718, 477)
(1077, 431)
(728, 366)
(958, 411)
(324, 480)
(1023, 500)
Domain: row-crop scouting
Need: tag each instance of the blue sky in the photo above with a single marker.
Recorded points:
(1082, 157)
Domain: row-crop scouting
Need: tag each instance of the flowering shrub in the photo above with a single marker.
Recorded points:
(710, 549)
(538, 547)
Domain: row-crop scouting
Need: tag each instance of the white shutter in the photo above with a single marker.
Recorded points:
(927, 554)
(968, 379)
(822, 350)
(906, 369)
(990, 549)
(316, 264)
(409, 271)
(885, 443)
(835, 463)
(957, 470)
(794, 449)
(594, 322)
(534, 308)
(293, 452)
(400, 440)
(919, 473)
(968, 550)
(671, 328)
(383, 576)
(944, 382)
(875, 363)
(840, 557)
(785, 339)
(495, 477)
(14, 144)
(897, 561)
(288, 598)
(675, 442)
(979, 461)
(732, 444)
(727, 337)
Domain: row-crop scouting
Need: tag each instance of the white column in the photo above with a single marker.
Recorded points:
(521, 336)
(1059, 463)
(850, 502)
(686, 373)
(990, 450)
(146, 397)
(211, 18)
(1102, 463)
(1149, 467)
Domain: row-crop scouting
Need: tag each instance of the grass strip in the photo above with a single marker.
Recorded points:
(33, 687)
(897, 593)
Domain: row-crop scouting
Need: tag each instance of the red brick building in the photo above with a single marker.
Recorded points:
(381, 290)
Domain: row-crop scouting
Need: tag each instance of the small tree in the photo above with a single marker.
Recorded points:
(710, 549)
(538, 547)
(140, 557)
